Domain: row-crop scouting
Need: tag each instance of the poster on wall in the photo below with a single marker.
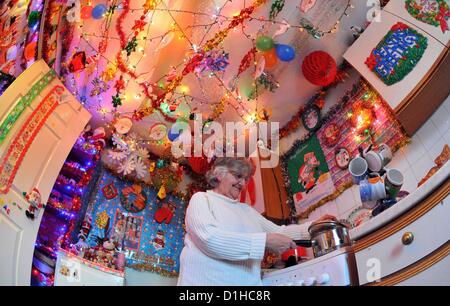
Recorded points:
(309, 175)
(149, 231)
(397, 54)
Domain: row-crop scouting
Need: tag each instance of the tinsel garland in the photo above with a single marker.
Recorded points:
(123, 15)
(266, 81)
(356, 89)
(318, 97)
(246, 61)
(276, 8)
(209, 45)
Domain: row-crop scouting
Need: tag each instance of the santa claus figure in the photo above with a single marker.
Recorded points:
(34, 199)
(159, 242)
(123, 125)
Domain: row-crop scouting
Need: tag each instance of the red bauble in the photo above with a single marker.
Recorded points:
(199, 165)
(319, 68)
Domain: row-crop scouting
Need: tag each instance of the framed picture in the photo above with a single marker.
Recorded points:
(342, 158)
(311, 118)
(127, 231)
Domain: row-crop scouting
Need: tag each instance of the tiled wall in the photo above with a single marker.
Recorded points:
(414, 160)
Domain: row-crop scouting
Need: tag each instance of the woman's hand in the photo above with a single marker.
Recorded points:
(325, 218)
(279, 243)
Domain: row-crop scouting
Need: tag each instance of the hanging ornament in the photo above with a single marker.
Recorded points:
(162, 192)
(270, 58)
(123, 125)
(33, 18)
(276, 8)
(285, 52)
(131, 46)
(432, 12)
(306, 5)
(151, 167)
(30, 51)
(319, 68)
(160, 163)
(264, 43)
(116, 100)
(158, 131)
(98, 11)
(199, 165)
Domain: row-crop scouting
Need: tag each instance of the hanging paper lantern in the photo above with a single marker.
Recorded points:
(319, 68)
(264, 43)
(199, 165)
(30, 51)
(285, 52)
(98, 11)
(86, 12)
(271, 59)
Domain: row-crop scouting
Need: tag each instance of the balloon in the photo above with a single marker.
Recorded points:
(86, 12)
(264, 43)
(271, 58)
(285, 52)
(30, 51)
(98, 11)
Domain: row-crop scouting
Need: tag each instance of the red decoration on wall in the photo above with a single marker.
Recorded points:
(199, 165)
(319, 68)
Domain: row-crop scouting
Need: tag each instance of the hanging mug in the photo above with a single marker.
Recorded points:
(393, 182)
(372, 189)
(385, 153)
(358, 169)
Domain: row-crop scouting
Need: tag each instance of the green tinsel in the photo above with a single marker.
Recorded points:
(277, 7)
(131, 46)
(264, 82)
(427, 17)
(116, 100)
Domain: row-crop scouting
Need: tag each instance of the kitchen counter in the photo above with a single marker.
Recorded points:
(403, 206)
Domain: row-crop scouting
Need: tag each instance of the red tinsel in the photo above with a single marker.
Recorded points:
(123, 15)
(247, 61)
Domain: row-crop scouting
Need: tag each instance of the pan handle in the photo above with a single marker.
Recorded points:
(303, 243)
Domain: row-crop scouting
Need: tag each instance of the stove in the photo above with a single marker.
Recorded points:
(337, 268)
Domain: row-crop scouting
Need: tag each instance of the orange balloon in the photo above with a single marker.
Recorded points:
(30, 51)
(271, 58)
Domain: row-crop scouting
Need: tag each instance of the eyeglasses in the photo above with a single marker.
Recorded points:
(239, 176)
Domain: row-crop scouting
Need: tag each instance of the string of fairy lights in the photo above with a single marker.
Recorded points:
(217, 19)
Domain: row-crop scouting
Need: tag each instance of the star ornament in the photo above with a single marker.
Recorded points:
(139, 25)
(120, 84)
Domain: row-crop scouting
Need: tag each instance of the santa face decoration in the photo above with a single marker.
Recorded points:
(342, 158)
(123, 125)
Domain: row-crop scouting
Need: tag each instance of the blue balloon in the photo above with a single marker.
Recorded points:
(285, 52)
(98, 11)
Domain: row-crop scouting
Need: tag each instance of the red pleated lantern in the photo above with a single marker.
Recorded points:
(199, 165)
(319, 68)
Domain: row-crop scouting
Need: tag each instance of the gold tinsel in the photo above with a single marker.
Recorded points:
(102, 219)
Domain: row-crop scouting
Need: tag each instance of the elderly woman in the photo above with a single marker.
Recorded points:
(225, 239)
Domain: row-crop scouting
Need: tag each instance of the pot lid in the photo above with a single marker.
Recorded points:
(324, 226)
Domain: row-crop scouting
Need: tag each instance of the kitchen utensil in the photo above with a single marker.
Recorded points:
(358, 169)
(393, 182)
(326, 237)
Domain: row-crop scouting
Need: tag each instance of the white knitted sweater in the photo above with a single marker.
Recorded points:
(225, 242)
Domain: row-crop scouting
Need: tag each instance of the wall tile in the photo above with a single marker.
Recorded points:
(422, 166)
(441, 120)
(414, 151)
(345, 201)
(399, 161)
(436, 149)
(429, 134)
(410, 182)
(330, 208)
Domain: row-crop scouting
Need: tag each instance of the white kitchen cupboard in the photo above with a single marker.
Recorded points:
(413, 249)
(39, 167)
(427, 82)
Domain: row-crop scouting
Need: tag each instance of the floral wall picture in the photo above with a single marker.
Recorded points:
(397, 54)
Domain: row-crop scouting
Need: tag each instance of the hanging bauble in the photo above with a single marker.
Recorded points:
(264, 43)
(98, 11)
(199, 165)
(285, 52)
(319, 68)
(30, 51)
(33, 18)
(271, 59)
(86, 12)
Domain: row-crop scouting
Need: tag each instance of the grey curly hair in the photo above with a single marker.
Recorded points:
(222, 165)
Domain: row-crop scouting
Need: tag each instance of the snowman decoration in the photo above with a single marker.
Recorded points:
(159, 242)
(34, 199)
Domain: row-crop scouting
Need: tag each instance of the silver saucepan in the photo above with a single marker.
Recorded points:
(326, 237)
